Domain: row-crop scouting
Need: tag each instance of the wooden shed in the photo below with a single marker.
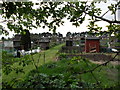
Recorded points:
(69, 43)
(44, 43)
(17, 42)
(92, 44)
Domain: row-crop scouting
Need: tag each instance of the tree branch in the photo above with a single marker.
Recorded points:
(104, 64)
(92, 73)
(105, 13)
(100, 17)
(107, 20)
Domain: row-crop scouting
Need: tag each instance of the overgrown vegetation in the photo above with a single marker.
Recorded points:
(16, 68)
(8, 61)
(66, 74)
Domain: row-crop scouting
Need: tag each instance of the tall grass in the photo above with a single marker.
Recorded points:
(70, 68)
(49, 56)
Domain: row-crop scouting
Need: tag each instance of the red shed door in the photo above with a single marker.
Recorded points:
(92, 47)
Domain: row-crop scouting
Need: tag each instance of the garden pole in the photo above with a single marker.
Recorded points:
(44, 57)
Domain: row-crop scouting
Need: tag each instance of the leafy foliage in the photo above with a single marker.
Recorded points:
(114, 29)
(21, 15)
(27, 63)
(62, 55)
(65, 74)
(8, 61)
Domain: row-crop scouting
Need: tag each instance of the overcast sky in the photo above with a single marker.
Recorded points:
(69, 27)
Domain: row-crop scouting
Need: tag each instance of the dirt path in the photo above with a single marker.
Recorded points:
(100, 62)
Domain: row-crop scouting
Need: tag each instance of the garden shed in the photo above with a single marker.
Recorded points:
(69, 42)
(44, 43)
(92, 44)
(17, 42)
(8, 46)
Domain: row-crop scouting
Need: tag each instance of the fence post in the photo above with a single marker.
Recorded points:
(44, 57)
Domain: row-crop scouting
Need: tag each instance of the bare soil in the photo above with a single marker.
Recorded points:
(100, 62)
(99, 58)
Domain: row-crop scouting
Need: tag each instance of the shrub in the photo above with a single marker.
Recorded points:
(43, 81)
(8, 60)
(62, 56)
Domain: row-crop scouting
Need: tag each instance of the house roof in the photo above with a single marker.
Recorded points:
(8, 43)
(92, 38)
(42, 41)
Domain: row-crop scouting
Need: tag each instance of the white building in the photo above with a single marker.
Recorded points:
(8, 46)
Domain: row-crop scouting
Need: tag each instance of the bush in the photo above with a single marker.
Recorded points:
(8, 60)
(42, 81)
(52, 44)
(62, 56)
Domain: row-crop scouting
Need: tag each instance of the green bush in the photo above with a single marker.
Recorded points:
(52, 44)
(62, 56)
(51, 81)
(8, 60)
(42, 81)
